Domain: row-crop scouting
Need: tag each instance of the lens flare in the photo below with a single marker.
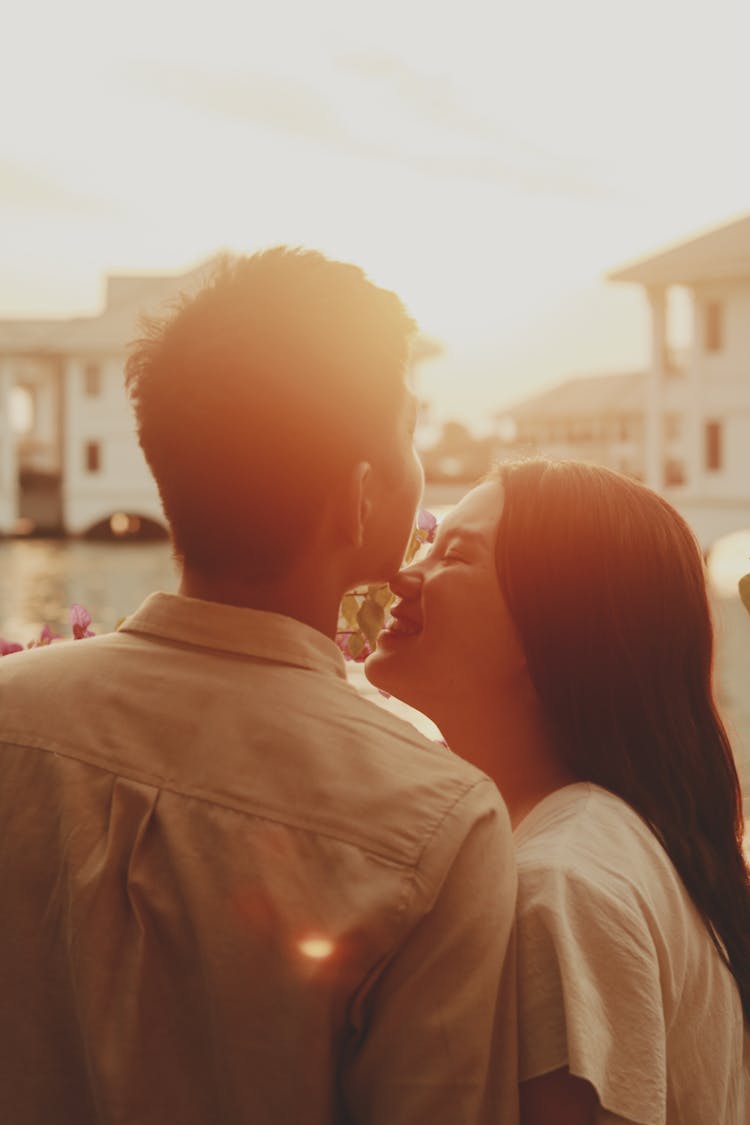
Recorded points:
(316, 948)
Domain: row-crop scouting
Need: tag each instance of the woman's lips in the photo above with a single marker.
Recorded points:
(398, 630)
(403, 626)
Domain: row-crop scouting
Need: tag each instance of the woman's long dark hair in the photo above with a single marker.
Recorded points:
(605, 583)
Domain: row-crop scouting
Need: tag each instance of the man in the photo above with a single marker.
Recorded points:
(235, 891)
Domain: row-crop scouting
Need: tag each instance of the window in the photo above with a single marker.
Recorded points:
(714, 326)
(674, 367)
(624, 431)
(713, 446)
(672, 427)
(92, 380)
(674, 471)
(93, 456)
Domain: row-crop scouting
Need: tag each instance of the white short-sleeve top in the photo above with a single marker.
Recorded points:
(618, 977)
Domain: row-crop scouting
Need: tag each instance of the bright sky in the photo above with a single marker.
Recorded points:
(489, 161)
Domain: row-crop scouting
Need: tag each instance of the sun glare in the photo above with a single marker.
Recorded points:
(728, 560)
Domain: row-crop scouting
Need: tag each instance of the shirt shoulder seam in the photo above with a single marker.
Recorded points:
(260, 811)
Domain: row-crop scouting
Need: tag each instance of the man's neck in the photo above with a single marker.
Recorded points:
(310, 598)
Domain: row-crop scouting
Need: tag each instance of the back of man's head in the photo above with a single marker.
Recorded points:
(257, 394)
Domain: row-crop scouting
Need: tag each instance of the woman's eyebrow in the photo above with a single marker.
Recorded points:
(463, 534)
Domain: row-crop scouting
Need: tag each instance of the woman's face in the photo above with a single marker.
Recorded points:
(451, 637)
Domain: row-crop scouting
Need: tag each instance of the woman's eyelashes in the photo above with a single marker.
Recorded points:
(448, 552)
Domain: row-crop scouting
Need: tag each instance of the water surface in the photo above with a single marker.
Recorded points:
(40, 579)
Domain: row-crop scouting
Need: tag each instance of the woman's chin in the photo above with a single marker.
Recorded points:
(385, 671)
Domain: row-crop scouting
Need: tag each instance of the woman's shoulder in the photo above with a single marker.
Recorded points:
(578, 824)
(583, 845)
(618, 976)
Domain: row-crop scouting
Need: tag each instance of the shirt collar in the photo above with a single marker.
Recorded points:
(229, 628)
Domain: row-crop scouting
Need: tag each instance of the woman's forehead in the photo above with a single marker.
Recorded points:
(478, 512)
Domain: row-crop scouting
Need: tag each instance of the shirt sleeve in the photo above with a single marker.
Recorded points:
(589, 993)
(439, 1034)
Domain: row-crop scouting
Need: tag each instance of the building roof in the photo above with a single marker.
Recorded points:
(127, 298)
(425, 347)
(25, 335)
(719, 254)
(584, 396)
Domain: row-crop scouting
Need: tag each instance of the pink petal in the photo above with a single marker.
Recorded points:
(80, 619)
(427, 522)
(7, 647)
(79, 616)
(366, 651)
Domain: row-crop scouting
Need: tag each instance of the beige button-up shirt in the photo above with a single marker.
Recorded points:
(234, 891)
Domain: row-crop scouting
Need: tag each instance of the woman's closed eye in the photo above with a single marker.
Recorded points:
(452, 555)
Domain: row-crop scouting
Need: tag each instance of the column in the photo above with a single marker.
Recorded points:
(653, 418)
(8, 453)
(693, 426)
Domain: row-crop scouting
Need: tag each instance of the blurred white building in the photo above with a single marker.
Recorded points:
(709, 394)
(683, 425)
(597, 418)
(69, 458)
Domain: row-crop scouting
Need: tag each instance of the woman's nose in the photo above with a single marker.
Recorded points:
(406, 583)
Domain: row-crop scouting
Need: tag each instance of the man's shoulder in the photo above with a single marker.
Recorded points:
(378, 777)
(28, 670)
(43, 688)
(285, 744)
(384, 731)
(32, 668)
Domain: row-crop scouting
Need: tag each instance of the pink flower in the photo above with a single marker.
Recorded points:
(342, 640)
(428, 523)
(46, 637)
(363, 654)
(7, 647)
(80, 619)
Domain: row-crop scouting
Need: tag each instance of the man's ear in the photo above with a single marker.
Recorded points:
(357, 505)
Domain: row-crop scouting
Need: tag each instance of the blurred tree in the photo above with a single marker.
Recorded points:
(457, 455)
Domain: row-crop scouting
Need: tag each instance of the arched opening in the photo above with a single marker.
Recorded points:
(126, 527)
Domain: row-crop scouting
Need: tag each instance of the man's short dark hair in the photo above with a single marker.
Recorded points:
(257, 393)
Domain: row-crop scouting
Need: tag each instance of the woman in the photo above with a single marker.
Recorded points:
(559, 636)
